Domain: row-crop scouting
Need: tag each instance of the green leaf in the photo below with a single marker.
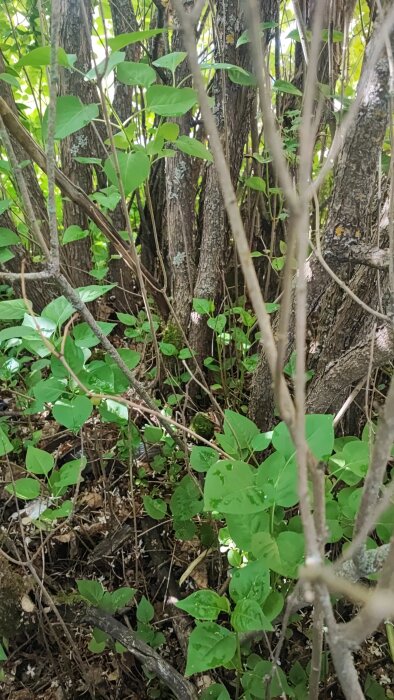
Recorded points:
(273, 605)
(127, 319)
(63, 511)
(333, 517)
(88, 161)
(5, 445)
(10, 79)
(5, 255)
(204, 605)
(38, 461)
(106, 66)
(261, 441)
(5, 204)
(92, 591)
(93, 291)
(284, 86)
(218, 323)
(59, 311)
(185, 354)
(155, 507)
(72, 414)
(26, 488)
(282, 554)
(42, 57)
(194, 148)
(84, 336)
(203, 306)
(168, 349)
(113, 412)
(384, 524)
(171, 60)
(185, 501)
(68, 475)
(153, 434)
(237, 74)
(295, 35)
(242, 528)
(216, 691)
(256, 183)
(201, 458)
(97, 647)
(239, 431)
(319, 433)
(145, 611)
(13, 310)
(71, 115)
(169, 131)
(122, 40)
(250, 582)
(19, 332)
(230, 487)
(278, 479)
(253, 682)
(184, 529)
(209, 646)
(131, 73)
(349, 501)
(170, 101)
(335, 35)
(8, 237)
(111, 602)
(74, 233)
(108, 198)
(217, 66)
(248, 616)
(134, 170)
(131, 359)
(351, 464)
(240, 76)
(245, 38)
(73, 356)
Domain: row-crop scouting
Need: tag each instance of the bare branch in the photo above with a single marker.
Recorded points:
(344, 286)
(182, 689)
(41, 275)
(375, 49)
(50, 150)
(79, 197)
(31, 219)
(382, 447)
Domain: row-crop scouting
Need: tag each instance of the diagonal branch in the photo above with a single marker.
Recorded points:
(182, 689)
(80, 198)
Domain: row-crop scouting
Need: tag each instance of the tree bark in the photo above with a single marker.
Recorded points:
(181, 184)
(232, 113)
(75, 38)
(341, 333)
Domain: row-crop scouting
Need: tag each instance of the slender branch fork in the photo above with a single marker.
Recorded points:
(294, 415)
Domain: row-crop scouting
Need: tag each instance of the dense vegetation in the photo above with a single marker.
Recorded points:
(196, 349)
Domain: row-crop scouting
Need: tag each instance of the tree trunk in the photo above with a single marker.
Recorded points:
(232, 113)
(76, 22)
(341, 332)
(181, 185)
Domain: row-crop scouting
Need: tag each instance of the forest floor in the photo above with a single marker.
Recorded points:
(109, 538)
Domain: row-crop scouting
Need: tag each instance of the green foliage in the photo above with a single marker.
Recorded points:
(55, 483)
(243, 490)
(71, 116)
(210, 646)
(169, 101)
